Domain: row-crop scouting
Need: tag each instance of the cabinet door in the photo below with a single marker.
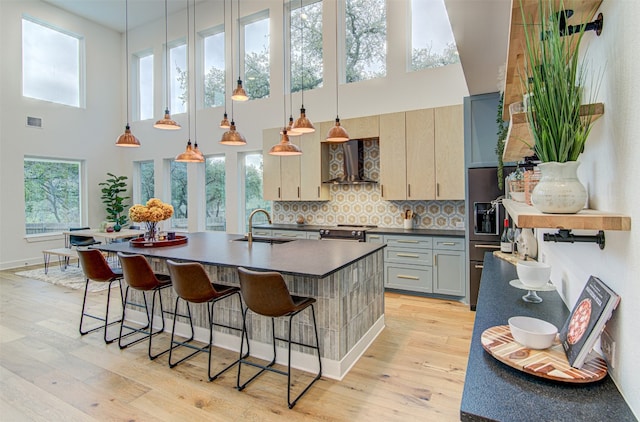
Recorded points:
(409, 277)
(421, 173)
(291, 234)
(393, 176)
(480, 128)
(314, 166)
(362, 127)
(271, 187)
(290, 177)
(449, 272)
(449, 152)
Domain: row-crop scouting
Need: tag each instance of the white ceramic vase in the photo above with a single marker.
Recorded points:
(559, 191)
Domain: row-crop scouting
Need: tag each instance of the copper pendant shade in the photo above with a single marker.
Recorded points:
(303, 124)
(225, 124)
(189, 155)
(239, 94)
(127, 139)
(290, 131)
(285, 147)
(167, 123)
(337, 134)
(233, 137)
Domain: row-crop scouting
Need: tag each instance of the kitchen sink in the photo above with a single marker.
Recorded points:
(271, 240)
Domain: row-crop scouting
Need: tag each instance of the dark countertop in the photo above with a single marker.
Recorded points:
(495, 391)
(311, 258)
(377, 230)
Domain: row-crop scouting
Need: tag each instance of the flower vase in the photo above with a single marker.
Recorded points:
(117, 227)
(559, 191)
(152, 231)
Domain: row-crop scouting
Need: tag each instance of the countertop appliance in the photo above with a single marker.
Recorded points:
(483, 219)
(352, 233)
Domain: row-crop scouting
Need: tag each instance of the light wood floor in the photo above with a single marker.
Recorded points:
(414, 371)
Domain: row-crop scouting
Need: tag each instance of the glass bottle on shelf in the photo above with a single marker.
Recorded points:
(506, 239)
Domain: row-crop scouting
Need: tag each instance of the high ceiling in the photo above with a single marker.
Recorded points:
(480, 27)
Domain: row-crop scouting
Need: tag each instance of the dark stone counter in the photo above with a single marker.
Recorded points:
(495, 391)
(299, 257)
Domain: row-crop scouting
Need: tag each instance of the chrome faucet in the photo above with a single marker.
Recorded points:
(254, 212)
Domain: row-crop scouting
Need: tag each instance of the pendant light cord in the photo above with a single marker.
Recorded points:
(336, 64)
(284, 62)
(231, 32)
(166, 52)
(224, 14)
(301, 52)
(239, 72)
(126, 37)
(195, 93)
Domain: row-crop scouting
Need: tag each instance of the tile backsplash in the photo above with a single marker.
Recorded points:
(362, 204)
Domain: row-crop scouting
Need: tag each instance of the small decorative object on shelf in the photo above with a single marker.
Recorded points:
(506, 240)
(151, 214)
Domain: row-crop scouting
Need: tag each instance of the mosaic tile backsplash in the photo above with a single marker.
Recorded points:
(363, 204)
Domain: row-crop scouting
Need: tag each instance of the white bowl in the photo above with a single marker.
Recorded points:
(517, 196)
(532, 332)
(533, 273)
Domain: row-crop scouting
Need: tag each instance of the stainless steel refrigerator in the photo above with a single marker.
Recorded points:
(484, 222)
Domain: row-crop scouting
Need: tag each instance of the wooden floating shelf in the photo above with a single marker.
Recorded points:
(583, 11)
(526, 216)
(519, 137)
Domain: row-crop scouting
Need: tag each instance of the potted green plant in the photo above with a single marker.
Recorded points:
(115, 204)
(555, 79)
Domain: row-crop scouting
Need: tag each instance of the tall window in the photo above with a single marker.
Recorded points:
(432, 42)
(147, 180)
(215, 193)
(365, 39)
(178, 77)
(306, 45)
(253, 178)
(51, 195)
(213, 72)
(143, 63)
(178, 175)
(255, 31)
(51, 64)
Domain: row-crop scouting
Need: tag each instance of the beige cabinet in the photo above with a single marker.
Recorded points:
(360, 127)
(449, 152)
(422, 154)
(295, 178)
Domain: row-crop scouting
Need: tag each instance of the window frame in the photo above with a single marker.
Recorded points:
(82, 182)
(203, 35)
(169, 162)
(180, 42)
(136, 77)
(290, 76)
(242, 197)
(242, 23)
(81, 60)
(206, 204)
(137, 181)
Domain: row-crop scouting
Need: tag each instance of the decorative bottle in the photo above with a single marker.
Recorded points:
(506, 239)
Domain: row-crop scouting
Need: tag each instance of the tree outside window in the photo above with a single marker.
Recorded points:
(178, 78)
(215, 193)
(365, 39)
(306, 39)
(51, 195)
(213, 72)
(253, 177)
(179, 194)
(432, 42)
(256, 56)
(147, 182)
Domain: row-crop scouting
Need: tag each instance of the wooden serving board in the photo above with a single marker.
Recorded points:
(140, 242)
(548, 363)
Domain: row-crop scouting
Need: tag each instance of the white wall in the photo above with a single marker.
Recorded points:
(609, 168)
(90, 133)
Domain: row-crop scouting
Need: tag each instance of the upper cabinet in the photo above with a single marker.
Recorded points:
(519, 142)
(481, 130)
(361, 127)
(422, 154)
(284, 178)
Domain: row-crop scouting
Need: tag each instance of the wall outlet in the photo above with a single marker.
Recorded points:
(608, 347)
(459, 224)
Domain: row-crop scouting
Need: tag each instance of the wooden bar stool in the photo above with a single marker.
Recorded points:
(139, 275)
(266, 293)
(96, 268)
(192, 285)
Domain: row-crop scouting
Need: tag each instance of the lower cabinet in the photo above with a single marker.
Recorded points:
(424, 264)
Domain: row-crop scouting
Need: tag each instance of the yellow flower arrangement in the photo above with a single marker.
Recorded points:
(154, 211)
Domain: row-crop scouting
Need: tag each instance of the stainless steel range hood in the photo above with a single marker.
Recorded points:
(353, 165)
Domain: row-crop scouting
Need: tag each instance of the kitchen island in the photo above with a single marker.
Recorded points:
(345, 278)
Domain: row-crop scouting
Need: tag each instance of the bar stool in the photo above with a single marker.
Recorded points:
(266, 293)
(139, 275)
(192, 284)
(96, 268)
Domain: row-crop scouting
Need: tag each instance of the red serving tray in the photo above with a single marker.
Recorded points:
(140, 242)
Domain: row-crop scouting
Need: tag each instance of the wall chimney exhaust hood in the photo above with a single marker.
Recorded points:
(353, 164)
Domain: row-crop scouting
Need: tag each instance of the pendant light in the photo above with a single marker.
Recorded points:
(166, 123)
(285, 147)
(127, 139)
(192, 154)
(302, 124)
(232, 137)
(239, 94)
(337, 133)
(224, 123)
(290, 131)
